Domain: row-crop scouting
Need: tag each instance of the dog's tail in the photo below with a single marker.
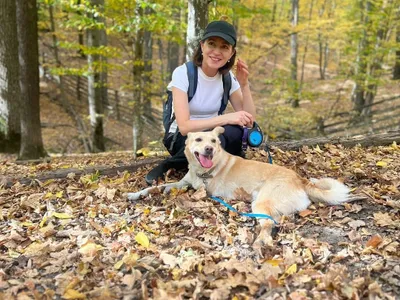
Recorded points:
(327, 190)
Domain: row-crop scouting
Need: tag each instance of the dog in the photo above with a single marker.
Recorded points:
(274, 190)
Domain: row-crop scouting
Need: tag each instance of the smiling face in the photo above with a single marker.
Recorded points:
(216, 53)
(202, 147)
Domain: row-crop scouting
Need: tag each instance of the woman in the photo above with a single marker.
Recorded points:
(214, 57)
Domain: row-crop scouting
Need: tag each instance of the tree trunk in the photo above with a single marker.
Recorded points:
(81, 38)
(173, 58)
(148, 69)
(28, 51)
(197, 22)
(173, 51)
(147, 74)
(358, 95)
(396, 69)
(376, 32)
(235, 15)
(96, 109)
(273, 13)
(104, 68)
(10, 126)
(303, 63)
(323, 48)
(138, 70)
(293, 55)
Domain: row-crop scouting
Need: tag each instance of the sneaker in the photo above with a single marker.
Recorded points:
(156, 173)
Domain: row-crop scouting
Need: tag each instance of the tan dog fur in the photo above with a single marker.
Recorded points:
(274, 190)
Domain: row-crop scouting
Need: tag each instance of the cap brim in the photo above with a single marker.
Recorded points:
(226, 37)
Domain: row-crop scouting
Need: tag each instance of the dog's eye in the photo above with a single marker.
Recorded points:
(213, 141)
(198, 140)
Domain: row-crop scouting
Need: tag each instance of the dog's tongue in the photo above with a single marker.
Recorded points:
(205, 161)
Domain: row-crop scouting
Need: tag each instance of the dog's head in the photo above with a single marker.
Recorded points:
(203, 147)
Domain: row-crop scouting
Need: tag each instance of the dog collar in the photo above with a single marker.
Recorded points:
(206, 175)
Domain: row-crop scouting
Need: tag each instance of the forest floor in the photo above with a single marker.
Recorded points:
(80, 238)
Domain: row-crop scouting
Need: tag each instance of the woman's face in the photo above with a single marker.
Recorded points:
(216, 53)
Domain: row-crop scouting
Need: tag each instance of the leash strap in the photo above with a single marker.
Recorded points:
(260, 216)
(269, 154)
(244, 138)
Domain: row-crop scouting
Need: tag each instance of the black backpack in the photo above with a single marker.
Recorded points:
(192, 73)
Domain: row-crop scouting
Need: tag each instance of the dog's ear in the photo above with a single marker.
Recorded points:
(219, 130)
(188, 137)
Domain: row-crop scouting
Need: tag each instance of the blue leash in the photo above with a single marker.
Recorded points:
(261, 216)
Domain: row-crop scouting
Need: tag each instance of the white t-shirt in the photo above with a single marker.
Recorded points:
(206, 102)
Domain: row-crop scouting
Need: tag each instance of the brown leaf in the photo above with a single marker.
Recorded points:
(200, 194)
(374, 241)
(384, 219)
(356, 223)
(305, 213)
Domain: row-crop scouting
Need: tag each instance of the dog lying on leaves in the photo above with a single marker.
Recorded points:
(274, 190)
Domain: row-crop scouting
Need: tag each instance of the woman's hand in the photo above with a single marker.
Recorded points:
(241, 118)
(242, 73)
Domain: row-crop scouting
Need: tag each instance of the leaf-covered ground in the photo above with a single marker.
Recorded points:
(79, 238)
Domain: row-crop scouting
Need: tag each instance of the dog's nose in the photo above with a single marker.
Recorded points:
(209, 150)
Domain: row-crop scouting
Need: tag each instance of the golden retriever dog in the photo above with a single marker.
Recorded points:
(274, 190)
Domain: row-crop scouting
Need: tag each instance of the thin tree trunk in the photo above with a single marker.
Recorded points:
(104, 69)
(396, 69)
(173, 50)
(138, 70)
(374, 72)
(28, 50)
(305, 49)
(95, 99)
(173, 58)
(274, 9)
(358, 95)
(235, 15)
(197, 22)
(163, 74)
(293, 54)
(10, 121)
(148, 70)
(81, 37)
(323, 48)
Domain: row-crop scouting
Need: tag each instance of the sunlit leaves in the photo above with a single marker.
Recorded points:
(142, 239)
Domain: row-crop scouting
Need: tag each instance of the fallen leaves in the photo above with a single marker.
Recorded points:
(79, 238)
(385, 220)
(142, 239)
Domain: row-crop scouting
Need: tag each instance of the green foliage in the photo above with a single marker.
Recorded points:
(264, 29)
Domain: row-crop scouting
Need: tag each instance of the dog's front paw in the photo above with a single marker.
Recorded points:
(167, 189)
(134, 196)
(262, 241)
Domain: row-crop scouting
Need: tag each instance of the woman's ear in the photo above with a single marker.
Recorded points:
(201, 46)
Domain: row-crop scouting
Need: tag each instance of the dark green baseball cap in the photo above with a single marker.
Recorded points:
(221, 29)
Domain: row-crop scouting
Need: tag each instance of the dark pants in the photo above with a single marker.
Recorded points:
(231, 141)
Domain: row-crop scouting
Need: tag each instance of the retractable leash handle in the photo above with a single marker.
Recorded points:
(254, 137)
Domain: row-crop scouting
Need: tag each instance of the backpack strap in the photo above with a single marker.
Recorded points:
(227, 83)
(192, 74)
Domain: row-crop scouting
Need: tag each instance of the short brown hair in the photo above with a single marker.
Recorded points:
(198, 60)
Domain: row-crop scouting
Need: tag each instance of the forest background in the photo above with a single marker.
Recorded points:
(319, 67)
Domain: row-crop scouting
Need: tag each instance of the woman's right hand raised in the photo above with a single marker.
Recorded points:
(241, 118)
